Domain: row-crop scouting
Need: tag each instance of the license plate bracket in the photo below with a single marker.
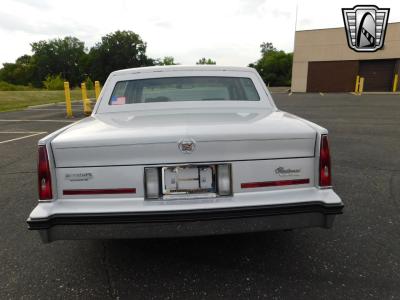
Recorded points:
(188, 180)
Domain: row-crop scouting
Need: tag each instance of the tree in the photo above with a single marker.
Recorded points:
(166, 61)
(118, 50)
(20, 72)
(59, 56)
(275, 67)
(267, 47)
(204, 61)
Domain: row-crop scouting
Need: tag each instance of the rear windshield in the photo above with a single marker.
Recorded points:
(172, 89)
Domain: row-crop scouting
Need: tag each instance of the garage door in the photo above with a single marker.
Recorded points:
(332, 76)
(378, 74)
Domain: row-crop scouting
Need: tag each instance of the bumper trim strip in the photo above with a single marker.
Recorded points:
(185, 215)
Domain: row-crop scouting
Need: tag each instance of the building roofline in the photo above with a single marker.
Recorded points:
(335, 27)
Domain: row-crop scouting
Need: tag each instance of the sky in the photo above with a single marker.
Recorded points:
(228, 31)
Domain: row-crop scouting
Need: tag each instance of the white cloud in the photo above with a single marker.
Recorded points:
(229, 31)
(325, 14)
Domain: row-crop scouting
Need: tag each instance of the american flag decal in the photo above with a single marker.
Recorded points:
(365, 27)
(118, 100)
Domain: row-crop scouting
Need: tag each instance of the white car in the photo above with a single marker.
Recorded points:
(183, 151)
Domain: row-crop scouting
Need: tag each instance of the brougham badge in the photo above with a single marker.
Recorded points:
(187, 146)
(281, 171)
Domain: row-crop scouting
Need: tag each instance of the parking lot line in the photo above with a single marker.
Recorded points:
(22, 137)
(22, 132)
(27, 120)
(40, 109)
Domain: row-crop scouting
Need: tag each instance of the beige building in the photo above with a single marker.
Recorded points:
(323, 62)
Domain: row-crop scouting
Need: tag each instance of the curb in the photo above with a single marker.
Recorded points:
(55, 103)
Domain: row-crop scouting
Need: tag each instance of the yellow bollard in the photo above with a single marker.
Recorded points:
(84, 92)
(97, 89)
(395, 80)
(361, 87)
(87, 109)
(68, 105)
(357, 84)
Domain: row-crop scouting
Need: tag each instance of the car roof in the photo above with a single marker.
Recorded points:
(181, 68)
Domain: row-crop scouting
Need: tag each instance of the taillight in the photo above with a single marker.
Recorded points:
(324, 163)
(44, 176)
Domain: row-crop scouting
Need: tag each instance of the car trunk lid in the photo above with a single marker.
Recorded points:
(153, 138)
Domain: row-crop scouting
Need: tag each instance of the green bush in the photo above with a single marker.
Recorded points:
(5, 86)
(89, 83)
(54, 82)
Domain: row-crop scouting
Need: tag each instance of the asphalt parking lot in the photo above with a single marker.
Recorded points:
(358, 258)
